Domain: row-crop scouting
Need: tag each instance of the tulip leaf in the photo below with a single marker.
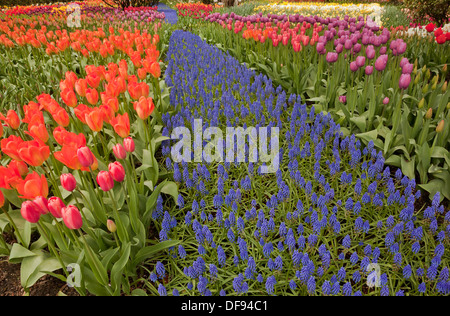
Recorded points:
(116, 271)
(148, 251)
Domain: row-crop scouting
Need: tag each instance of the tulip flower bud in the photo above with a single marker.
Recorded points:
(440, 126)
(429, 113)
(444, 87)
(427, 74)
(42, 204)
(444, 68)
(68, 182)
(417, 78)
(105, 180)
(55, 206)
(385, 100)
(111, 226)
(448, 106)
(119, 151)
(128, 144)
(2, 199)
(117, 171)
(85, 156)
(425, 88)
(30, 212)
(72, 217)
(433, 87)
(421, 103)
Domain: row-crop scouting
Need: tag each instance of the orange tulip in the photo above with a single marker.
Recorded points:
(61, 117)
(12, 119)
(69, 97)
(10, 146)
(80, 111)
(20, 168)
(144, 107)
(92, 96)
(155, 69)
(66, 138)
(80, 87)
(33, 186)
(121, 124)
(38, 130)
(9, 179)
(33, 152)
(93, 80)
(94, 119)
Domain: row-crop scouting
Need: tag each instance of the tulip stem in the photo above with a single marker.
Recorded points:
(52, 248)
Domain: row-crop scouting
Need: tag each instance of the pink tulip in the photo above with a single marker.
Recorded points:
(85, 156)
(385, 100)
(105, 180)
(42, 204)
(128, 144)
(119, 151)
(68, 181)
(55, 206)
(117, 171)
(369, 70)
(72, 217)
(30, 211)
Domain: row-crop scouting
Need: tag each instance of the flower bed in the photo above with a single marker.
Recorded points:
(296, 231)
(323, 10)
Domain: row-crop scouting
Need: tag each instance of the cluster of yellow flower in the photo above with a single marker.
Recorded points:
(330, 9)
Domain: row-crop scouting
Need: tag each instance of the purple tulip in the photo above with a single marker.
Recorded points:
(332, 57)
(370, 52)
(360, 61)
(380, 63)
(339, 48)
(383, 50)
(404, 61)
(407, 68)
(348, 44)
(404, 81)
(357, 48)
(353, 66)
(369, 70)
(342, 99)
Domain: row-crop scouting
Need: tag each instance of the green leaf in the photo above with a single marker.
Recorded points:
(18, 252)
(116, 271)
(148, 251)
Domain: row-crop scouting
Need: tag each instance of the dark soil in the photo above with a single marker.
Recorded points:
(46, 286)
